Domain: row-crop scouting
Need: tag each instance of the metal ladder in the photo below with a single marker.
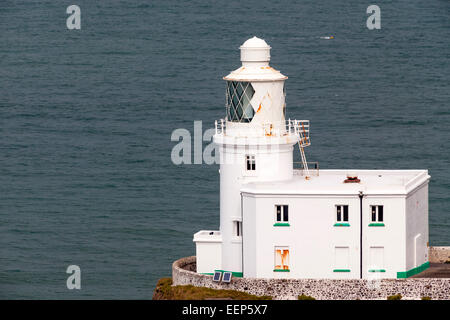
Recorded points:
(303, 141)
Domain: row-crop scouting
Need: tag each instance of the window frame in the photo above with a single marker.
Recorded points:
(238, 96)
(250, 160)
(284, 211)
(337, 266)
(376, 214)
(339, 220)
(378, 267)
(238, 225)
(282, 266)
(237, 229)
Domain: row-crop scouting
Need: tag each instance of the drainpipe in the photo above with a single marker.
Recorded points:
(361, 195)
(242, 235)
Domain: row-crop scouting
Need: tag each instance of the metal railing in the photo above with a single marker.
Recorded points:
(313, 168)
(298, 128)
(277, 129)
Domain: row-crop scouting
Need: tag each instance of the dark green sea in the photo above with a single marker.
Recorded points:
(86, 118)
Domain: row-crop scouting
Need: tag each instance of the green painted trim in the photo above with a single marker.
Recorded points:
(339, 224)
(377, 224)
(208, 274)
(341, 270)
(377, 270)
(279, 224)
(235, 274)
(413, 271)
(281, 270)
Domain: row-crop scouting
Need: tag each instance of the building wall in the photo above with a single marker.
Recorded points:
(390, 237)
(210, 256)
(251, 245)
(417, 228)
(311, 237)
(316, 246)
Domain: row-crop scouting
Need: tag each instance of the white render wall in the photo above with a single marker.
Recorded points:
(391, 237)
(312, 236)
(210, 256)
(417, 227)
(209, 251)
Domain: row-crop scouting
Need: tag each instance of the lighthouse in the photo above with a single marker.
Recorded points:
(280, 220)
(255, 142)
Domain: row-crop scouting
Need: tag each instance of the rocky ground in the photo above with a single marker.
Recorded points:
(165, 291)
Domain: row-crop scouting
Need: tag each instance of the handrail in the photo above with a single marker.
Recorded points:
(295, 127)
(313, 168)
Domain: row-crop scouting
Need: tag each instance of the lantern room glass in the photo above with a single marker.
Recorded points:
(239, 108)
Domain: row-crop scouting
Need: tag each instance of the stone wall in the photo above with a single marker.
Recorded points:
(439, 254)
(183, 273)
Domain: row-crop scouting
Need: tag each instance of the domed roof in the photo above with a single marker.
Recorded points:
(255, 57)
(255, 42)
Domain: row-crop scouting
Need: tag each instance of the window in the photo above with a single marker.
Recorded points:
(342, 216)
(281, 259)
(239, 108)
(341, 259)
(238, 228)
(250, 162)
(376, 259)
(281, 215)
(376, 216)
(342, 213)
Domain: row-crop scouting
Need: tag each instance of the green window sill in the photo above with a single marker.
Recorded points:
(341, 270)
(377, 270)
(339, 224)
(281, 270)
(279, 224)
(377, 224)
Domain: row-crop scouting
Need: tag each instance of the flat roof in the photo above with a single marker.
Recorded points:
(372, 182)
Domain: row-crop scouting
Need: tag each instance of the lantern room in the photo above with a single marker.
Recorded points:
(255, 91)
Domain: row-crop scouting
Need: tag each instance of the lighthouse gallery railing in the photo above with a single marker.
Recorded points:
(298, 128)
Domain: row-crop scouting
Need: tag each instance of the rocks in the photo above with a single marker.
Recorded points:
(439, 254)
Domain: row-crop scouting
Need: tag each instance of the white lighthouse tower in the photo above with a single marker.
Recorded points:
(256, 144)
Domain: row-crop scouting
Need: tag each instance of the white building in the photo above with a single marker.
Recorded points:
(281, 222)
